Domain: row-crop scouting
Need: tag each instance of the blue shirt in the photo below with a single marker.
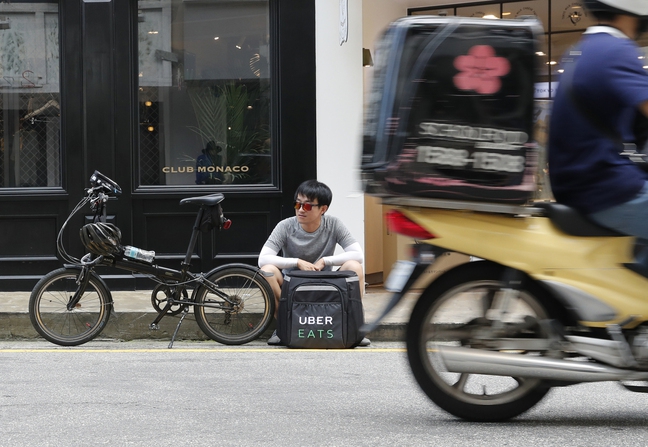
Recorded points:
(585, 168)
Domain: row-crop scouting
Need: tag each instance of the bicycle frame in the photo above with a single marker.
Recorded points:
(166, 275)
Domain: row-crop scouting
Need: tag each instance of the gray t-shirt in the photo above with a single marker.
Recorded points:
(290, 238)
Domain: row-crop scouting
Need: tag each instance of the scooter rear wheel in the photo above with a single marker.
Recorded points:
(459, 309)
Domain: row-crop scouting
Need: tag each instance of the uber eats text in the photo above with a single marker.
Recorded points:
(315, 333)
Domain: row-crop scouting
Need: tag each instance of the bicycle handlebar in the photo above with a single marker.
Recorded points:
(97, 195)
(101, 182)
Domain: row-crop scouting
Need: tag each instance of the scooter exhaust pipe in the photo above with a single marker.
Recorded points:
(475, 361)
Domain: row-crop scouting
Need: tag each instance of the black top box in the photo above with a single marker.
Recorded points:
(450, 114)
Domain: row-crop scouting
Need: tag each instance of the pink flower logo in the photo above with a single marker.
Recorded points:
(480, 70)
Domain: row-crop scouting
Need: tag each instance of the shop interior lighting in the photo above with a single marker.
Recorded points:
(240, 43)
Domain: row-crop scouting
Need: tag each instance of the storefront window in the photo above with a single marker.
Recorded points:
(562, 20)
(567, 15)
(433, 12)
(204, 93)
(30, 154)
(486, 10)
(535, 8)
(560, 43)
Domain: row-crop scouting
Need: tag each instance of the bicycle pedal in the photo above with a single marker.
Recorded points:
(154, 327)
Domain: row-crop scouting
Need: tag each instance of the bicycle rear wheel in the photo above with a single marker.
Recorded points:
(49, 313)
(241, 312)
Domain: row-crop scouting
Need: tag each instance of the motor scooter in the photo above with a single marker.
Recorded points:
(550, 299)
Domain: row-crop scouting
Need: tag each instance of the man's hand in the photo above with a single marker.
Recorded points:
(305, 265)
(319, 265)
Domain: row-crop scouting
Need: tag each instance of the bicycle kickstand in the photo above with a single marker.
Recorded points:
(185, 311)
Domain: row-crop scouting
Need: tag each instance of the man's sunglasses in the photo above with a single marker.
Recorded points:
(305, 205)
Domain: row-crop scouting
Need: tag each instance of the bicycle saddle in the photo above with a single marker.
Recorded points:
(210, 200)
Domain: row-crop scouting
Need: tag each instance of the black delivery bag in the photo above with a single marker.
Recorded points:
(450, 114)
(320, 310)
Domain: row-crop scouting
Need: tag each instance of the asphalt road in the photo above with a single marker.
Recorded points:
(206, 394)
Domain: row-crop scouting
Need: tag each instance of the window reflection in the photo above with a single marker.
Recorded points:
(29, 104)
(204, 93)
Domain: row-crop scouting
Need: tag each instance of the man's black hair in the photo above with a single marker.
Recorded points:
(314, 190)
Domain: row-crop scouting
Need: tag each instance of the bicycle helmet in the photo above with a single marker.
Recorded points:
(101, 238)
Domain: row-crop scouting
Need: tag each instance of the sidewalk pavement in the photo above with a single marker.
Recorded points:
(133, 313)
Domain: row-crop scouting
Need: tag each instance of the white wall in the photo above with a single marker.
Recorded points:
(341, 81)
(339, 110)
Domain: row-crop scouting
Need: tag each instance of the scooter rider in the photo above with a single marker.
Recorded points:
(586, 169)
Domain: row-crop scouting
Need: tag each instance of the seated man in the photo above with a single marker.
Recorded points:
(307, 242)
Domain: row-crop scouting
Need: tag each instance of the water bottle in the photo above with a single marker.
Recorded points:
(139, 254)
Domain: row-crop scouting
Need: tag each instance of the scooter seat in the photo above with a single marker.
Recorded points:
(570, 221)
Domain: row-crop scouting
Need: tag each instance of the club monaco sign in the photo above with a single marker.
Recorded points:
(204, 169)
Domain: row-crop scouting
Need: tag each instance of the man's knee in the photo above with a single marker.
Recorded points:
(354, 266)
(271, 272)
(273, 275)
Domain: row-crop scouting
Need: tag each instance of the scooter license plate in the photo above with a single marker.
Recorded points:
(400, 273)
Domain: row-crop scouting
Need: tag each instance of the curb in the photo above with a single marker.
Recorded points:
(128, 326)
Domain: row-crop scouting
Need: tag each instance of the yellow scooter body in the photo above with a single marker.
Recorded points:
(532, 244)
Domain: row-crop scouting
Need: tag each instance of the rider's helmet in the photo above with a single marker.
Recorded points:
(629, 7)
(101, 238)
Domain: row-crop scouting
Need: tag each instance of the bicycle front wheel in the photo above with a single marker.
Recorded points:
(49, 313)
(239, 307)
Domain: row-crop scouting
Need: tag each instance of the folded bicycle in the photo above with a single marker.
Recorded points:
(233, 304)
